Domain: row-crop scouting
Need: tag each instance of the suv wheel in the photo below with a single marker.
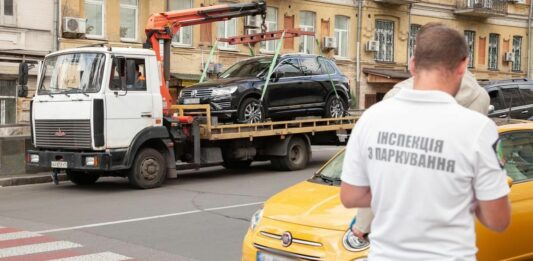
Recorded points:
(335, 107)
(251, 111)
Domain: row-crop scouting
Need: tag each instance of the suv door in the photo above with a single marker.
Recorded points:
(527, 93)
(316, 82)
(514, 101)
(129, 111)
(284, 92)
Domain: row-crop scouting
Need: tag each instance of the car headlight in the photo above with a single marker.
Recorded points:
(256, 217)
(353, 243)
(224, 91)
(34, 158)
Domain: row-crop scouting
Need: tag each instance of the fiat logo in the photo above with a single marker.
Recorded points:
(286, 239)
(59, 133)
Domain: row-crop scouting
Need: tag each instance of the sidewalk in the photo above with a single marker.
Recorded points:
(26, 179)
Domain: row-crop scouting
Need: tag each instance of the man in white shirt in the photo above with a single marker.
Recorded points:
(425, 164)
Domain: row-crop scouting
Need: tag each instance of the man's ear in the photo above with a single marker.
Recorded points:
(463, 66)
(412, 65)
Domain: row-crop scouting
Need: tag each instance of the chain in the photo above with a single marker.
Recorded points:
(263, 23)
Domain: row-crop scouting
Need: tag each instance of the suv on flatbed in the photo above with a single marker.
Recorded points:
(300, 85)
(513, 96)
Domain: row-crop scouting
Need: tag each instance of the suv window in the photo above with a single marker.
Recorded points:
(326, 66)
(290, 68)
(512, 97)
(515, 152)
(527, 93)
(496, 99)
(310, 66)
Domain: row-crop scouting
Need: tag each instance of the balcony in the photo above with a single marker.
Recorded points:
(396, 2)
(481, 8)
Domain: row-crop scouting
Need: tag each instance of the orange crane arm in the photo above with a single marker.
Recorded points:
(163, 26)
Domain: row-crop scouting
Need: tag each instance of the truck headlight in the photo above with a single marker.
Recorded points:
(34, 158)
(353, 243)
(256, 217)
(91, 161)
(224, 91)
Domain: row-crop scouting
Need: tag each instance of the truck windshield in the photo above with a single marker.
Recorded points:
(248, 68)
(71, 73)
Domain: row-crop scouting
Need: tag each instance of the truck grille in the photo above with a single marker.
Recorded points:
(72, 134)
(196, 93)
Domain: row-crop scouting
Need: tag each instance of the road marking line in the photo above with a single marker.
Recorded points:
(25, 241)
(17, 235)
(37, 248)
(146, 218)
(46, 256)
(5, 230)
(104, 256)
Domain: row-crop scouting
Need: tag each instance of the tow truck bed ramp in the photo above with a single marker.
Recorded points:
(208, 131)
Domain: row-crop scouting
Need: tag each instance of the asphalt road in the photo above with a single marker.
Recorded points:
(203, 215)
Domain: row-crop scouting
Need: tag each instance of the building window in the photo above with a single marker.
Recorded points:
(307, 23)
(385, 37)
(470, 37)
(226, 29)
(413, 30)
(7, 12)
(129, 11)
(341, 33)
(272, 25)
(8, 102)
(517, 53)
(94, 12)
(494, 46)
(184, 35)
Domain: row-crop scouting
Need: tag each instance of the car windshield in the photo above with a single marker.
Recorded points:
(331, 173)
(69, 73)
(248, 68)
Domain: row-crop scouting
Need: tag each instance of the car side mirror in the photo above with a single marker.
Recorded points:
(509, 181)
(277, 75)
(491, 108)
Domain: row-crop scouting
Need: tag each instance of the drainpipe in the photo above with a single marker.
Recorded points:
(358, 51)
(56, 29)
(529, 40)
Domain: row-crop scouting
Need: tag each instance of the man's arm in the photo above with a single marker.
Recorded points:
(355, 196)
(495, 214)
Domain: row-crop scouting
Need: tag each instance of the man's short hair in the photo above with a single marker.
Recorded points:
(439, 47)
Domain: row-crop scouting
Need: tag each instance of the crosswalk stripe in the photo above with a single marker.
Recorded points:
(37, 248)
(104, 256)
(17, 235)
(46, 256)
(25, 241)
(4, 230)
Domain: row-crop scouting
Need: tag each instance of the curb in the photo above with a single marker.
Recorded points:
(33, 179)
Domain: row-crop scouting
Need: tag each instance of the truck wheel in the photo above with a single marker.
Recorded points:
(82, 178)
(251, 111)
(237, 164)
(336, 107)
(149, 169)
(297, 156)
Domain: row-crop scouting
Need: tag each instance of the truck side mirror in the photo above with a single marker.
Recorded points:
(23, 79)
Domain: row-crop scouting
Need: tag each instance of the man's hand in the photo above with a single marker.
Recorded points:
(358, 233)
(494, 214)
(354, 196)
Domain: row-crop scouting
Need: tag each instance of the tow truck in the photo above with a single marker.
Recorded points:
(106, 111)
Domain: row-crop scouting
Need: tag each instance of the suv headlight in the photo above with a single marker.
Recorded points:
(256, 217)
(224, 91)
(353, 243)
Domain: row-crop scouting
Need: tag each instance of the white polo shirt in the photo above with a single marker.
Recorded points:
(426, 160)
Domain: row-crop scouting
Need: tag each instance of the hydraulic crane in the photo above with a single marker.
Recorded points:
(163, 26)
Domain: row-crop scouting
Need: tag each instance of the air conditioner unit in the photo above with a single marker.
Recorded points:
(74, 25)
(330, 42)
(372, 46)
(213, 67)
(508, 57)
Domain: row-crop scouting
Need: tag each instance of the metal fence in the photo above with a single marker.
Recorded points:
(485, 6)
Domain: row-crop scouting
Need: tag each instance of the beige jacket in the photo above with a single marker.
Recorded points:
(470, 95)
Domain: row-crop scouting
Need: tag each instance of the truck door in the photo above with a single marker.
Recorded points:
(129, 107)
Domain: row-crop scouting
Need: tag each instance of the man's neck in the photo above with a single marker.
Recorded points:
(433, 80)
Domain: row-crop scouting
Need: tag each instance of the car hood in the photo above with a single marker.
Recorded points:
(310, 204)
(220, 82)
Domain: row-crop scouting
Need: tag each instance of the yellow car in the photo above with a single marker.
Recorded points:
(308, 222)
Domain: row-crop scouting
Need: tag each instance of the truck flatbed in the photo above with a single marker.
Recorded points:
(209, 131)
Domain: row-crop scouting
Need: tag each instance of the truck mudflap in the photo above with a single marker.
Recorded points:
(87, 161)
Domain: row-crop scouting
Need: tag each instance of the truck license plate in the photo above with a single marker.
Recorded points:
(269, 257)
(59, 164)
(191, 101)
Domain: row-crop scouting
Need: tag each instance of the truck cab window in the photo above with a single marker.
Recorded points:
(136, 69)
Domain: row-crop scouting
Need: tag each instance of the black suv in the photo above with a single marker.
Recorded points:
(513, 96)
(300, 85)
